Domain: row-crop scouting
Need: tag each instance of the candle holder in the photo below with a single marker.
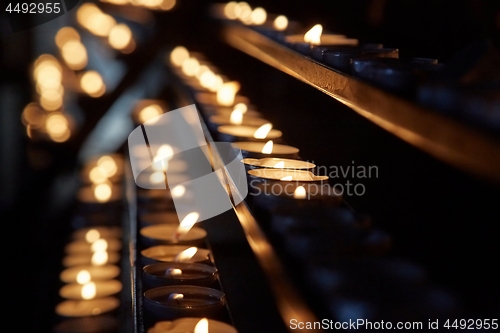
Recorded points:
(179, 273)
(165, 234)
(341, 59)
(277, 163)
(87, 308)
(96, 324)
(188, 325)
(285, 176)
(99, 289)
(255, 150)
(217, 120)
(96, 258)
(156, 218)
(210, 99)
(173, 302)
(83, 246)
(147, 109)
(318, 51)
(234, 133)
(297, 42)
(225, 111)
(170, 253)
(111, 167)
(95, 273)
(96, 232)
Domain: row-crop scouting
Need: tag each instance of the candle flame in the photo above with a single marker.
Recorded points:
(164, 152)
(157, 177)
(227, 93)
(299, 193)
(241, 107)
(313, 36)
(108, 164)
(103, 192)
(91, 82)
(83, 277)
(171, 272)
(88, 290)
(98, 175)
(175, 296)
(287, 178)
(149, 113)
(258, 16)
(99, 258)
(99, 245)
(178, 55)
(186, 254)
(190, 66)
(263, 131)
(236, 117)
(268, 147)
(281, 22)
(92, 235)
(279, 165)
(120, 37)
(178, 191)
(201, 326)
(186, 225)
(229, 10)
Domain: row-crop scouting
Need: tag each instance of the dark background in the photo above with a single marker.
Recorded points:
(439, 217)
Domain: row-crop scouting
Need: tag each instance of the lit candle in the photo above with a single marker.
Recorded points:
(175, 273)
(172, 253)
(97, 258)
(90, 290)
(91, 234)
(167, 234)
(278, 163)
(102, 193)
(147, 110)
(233, 133)
(83, 246)
(266, 149)
(314, 37)
(236, 117)
(105, 167)
(154, 218)
(95, 273)
(192, 325)
(274, 174)
(86, 308)
(172, 302)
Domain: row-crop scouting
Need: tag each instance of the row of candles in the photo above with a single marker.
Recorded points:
(367, 60)
(92, 271)
(305, 217)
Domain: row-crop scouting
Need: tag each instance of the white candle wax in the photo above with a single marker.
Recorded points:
(168, 253)
(256, 147)
(101, 288)
(278, 163)
(165, 233)
(86, 308)
(96, 273)
(82, 246)
(87, 258)
(188, 325)
(105, 232)
(240, 131)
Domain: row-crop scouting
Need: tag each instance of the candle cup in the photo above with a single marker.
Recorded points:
(146, 109)
(269, 30)
(282, 177)
(97, 232)
(240, 133)
(179, 273)
(102, 289)
(83, 246)
(318, 51)
(80, 259)
(278, 163)
(188, 325)
(164, 234)
(395, 74)
(168, 253)
(87, 308)
(155, 218)
(112, 165)
(96, 273)
(254, 150)
(297, 42)
(219, 120)
(210, 99)
(97, 324)
(91, 196)
(196, 302)
(223, 111)
(341, 59)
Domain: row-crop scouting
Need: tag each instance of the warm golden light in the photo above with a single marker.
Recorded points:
(299, 193)
(150, 112)
(66, 34)
(56, 124)
(263, 131)
(151, 3)
(236, 117)
(258, 16)
(190, 66)
(175, 296)
(178, 191)
(120, 37)
(186, 254)
(186, 225)
(91, 82)
(83, 277)
(241, 107)
(51, 100)
(313, 36)
(201, 326)
(229, 10)
(85, 11)
(243, 11)
(100, 24)
(170, 272)
(99, 245)
(178, 55)
(99, 258)
(34, 116)
(281, 23)
(227, 93)
(102, 192)
(88, 290)
(98, 175)
(157, 177)
(108, 164)
(279, 165)
(74, 54)
(167, 4)
(268, 147)
(92, 235)
(287, 178)
(209, 80)
(202, 70)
